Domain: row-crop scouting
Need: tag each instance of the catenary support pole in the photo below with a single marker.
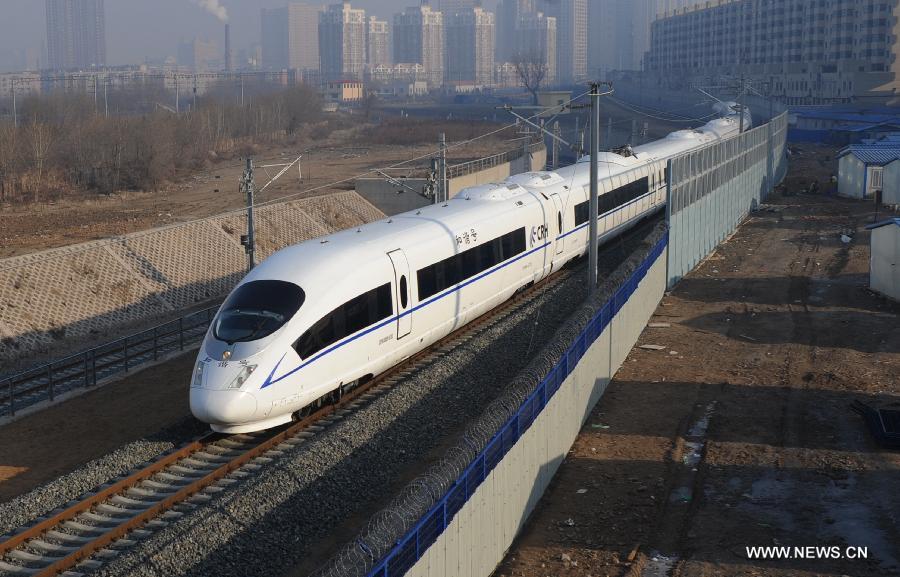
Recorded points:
(249, 241)
(443, 185)
(595, 187)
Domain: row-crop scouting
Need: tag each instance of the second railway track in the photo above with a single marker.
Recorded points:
(83, 535)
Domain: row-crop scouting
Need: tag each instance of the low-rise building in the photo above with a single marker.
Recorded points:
(344, 91)
(884, 266)
(861, 167)
(890, 183)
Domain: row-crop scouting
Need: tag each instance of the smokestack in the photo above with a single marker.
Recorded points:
(228, 47)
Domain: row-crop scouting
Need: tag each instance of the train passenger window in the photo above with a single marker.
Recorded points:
(613, 199)
(257, 309)
(347, 319)
(404, 292)
(467, 264)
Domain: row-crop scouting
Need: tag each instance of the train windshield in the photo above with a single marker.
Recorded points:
(257, 309)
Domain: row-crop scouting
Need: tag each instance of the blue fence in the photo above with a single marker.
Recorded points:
(413, 545)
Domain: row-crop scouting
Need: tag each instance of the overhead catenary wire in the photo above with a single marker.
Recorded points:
(64, 251)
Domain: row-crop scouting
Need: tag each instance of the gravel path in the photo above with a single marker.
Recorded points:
(50, 496)
(283, 518)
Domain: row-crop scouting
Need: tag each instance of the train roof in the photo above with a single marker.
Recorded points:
(329, 258)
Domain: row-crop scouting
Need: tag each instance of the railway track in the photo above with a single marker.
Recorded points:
(83, 535)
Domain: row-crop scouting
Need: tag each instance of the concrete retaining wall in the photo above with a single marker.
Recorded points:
(536, 160)
(81, 293)
(478, 537)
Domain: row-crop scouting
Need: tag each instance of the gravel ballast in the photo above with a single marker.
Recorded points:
(23, 510)
(283, 517)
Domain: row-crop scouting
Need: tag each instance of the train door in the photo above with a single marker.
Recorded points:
(558, 223)
(403, 298)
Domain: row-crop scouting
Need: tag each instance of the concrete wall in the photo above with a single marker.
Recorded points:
(537, 160)
(477, 538)
(390, 198)
(384, 194)
(884, 275)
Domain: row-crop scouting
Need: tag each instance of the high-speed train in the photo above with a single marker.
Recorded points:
(319, 317)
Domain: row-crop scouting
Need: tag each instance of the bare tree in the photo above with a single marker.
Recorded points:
(39, 139)
(532, 70)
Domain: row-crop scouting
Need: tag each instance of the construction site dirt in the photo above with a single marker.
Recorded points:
(736, 431)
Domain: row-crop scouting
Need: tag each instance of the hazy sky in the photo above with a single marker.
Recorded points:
(141, 29)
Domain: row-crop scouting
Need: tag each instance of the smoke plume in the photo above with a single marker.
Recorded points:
(214, 8)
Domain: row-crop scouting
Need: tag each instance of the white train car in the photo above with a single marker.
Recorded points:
(321, 316)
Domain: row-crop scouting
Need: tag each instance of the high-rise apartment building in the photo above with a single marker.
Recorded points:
(508, 14)
(537, 43)
(419, 38)
(470, 46)
(342, 42)
(796, 51)
(449, 7)
(290, 37)
(76, 34)
(571, 37)
(378, 43)
(200, 55)
(619, 37)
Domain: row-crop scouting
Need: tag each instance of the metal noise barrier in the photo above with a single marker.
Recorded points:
(386, 528)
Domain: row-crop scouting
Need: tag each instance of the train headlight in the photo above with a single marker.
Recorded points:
(242, 376)
(198, 375)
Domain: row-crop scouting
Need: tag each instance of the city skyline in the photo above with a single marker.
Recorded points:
(139, 31)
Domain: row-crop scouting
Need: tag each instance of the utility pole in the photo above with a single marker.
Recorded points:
(741, 104)
(177, 102)
(442, 171)
(579, 152)
(96, 111)
(595, 187)
(106, 96)
(248, 240)
(556, 145)
(15, 107)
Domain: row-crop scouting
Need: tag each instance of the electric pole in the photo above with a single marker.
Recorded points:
(741, 104)
(595, 187)
(15, 108)
(557, 135)
(248, 240)
(443, 193)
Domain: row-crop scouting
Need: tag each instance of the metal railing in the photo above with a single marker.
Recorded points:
(480, 164)
(87, 368)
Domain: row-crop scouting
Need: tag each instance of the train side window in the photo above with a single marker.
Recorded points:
(404, 295)
(582, 212)
(465, 265)
(347, 319)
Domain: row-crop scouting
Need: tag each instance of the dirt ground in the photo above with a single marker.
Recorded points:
(29, 228)
(739, 432)
(99, 422)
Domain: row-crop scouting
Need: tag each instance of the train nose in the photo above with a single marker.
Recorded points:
(222, 407)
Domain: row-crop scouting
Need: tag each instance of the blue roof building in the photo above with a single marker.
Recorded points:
(861, 166)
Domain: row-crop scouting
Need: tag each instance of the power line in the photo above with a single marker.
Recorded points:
(29, 259)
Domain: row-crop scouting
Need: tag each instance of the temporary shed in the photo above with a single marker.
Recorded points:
(890, 180)
(860, 167)
(884, 268)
